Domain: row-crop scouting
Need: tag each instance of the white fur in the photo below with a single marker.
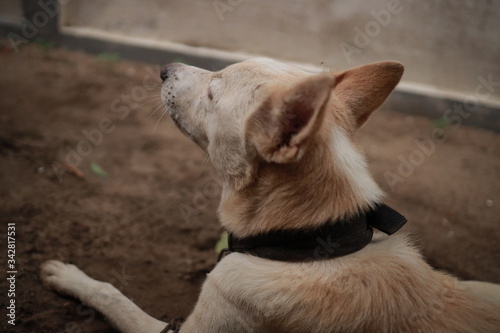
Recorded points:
(355, 168)
(120, 311)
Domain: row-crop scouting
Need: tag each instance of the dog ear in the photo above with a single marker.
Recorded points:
(363, 89)
(281, 127)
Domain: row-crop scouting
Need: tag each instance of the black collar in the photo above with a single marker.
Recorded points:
(333, 239)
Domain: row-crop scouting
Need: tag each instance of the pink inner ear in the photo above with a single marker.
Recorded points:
(282, 123)
(296, 116)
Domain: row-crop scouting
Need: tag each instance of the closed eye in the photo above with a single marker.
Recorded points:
(214, 82)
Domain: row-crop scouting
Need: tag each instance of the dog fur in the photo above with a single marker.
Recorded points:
(281, 140)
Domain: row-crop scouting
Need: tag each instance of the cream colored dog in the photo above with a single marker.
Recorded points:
(281, 139)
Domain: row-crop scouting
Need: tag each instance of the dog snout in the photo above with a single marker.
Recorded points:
(167, 71)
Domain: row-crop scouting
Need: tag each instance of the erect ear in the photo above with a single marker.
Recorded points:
(363, 89)
(282, 126)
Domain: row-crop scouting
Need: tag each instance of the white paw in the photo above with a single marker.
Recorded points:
(65, 278)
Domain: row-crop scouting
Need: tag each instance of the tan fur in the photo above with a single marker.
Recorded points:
(281, 139)
(386, 287)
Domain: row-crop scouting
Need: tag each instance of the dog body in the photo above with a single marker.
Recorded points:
(281, 140)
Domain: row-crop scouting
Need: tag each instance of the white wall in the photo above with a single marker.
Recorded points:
(446, 45)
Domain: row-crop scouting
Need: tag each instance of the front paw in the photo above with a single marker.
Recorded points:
(64, 278)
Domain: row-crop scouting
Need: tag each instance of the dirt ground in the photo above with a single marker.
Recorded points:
(139, 209)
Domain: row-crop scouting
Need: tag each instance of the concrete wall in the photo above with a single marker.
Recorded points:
(11, 10)
(445, 44)
(451, 48)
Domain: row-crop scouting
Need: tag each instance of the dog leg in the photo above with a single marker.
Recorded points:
(120, 311)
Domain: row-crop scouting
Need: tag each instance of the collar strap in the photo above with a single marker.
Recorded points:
(333, 239)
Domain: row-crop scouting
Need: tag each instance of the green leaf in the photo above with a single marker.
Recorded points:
(179, 60)
(109, 58)
(440, 123)
(45, 45)
(222, 243)
(98, 170)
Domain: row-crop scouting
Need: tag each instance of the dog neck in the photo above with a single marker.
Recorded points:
(330, 182)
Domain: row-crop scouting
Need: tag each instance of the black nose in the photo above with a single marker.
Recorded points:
(168, 70)
(164, 73)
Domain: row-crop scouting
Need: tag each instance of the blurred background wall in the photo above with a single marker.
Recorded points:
(446, 44)
(11, 10)
(450, 48)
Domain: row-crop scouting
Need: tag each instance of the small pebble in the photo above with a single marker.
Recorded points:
(40, 170)
(130, 71)
(445, 222)
(489, 203)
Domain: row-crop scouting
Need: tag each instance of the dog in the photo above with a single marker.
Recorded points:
(281, 140)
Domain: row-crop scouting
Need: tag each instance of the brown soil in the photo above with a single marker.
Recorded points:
(150, 226)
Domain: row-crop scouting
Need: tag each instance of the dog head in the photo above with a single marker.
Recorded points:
(267, 109)
(261, 114)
